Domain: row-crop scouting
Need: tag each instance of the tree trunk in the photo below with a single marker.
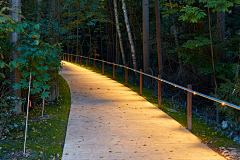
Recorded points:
(146, 56)
(54, 89)
(110, 32)
(119, 32)
(15, 74)
(221, 33)
(177, 45)
(129, 35)
(158, 30)
(221, 25)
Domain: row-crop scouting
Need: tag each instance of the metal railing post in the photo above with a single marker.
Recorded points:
(71, 58)
(94, 65)
(102, 68)
(75, 59)
(80, 60)
(140, 82)
(159, 92)
(189, 108)
(86, 62)
(126, 76)
(114, 71)
(68, 57)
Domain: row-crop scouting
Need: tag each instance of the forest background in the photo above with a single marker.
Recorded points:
(198, 44)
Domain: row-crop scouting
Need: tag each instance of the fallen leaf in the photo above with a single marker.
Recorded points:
(110, 151)
(67, 154)
(102, 157)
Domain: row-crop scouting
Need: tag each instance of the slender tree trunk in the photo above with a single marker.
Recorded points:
(90, 48)
(110, 32)
(221, 25)
(39, 11)
(119, 32)
(77, 35)
(158, 30)
(69, 10)
(146, 56)
(15, 74)
(129, 34)
(213, 65)
(54, 89)
(177, 44)
(221, 33)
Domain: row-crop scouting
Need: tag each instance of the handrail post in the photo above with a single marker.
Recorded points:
(114, 71)
(103, 68)
(71, 58)
(75, 59)
(126, 76)
(80, 60)
(159, 93)
(86, 62)
(189, 108)
(140, 82)
(68, 57)
(94, 65)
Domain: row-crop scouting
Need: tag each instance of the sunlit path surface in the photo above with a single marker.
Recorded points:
(109, 121)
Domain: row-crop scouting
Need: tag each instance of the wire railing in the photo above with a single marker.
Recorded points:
(159, 79)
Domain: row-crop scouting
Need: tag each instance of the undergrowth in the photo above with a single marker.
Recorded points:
(46, 134)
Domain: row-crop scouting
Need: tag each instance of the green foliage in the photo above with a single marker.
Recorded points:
(39, 59)
(51, 128)
(6, 110)
(229, 91)
(7, 26)
(197, 42)
(192, 14)
(217, 5)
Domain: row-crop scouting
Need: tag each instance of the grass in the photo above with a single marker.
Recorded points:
(46, 135)
(203, 131)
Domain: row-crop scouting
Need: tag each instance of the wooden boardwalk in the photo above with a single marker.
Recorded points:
(109, 121)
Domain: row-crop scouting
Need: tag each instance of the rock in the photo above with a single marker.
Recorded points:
(236, 138)
(229, 148)
(225, 153)
(224, 124)
(172, 110)
(232, 134)
(41, 153)
(222, 148)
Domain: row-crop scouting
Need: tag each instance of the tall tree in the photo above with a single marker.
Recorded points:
(119, 32)
(129, 35)
(221, 25)
(158, 30)
(146, 55)
(15, 74)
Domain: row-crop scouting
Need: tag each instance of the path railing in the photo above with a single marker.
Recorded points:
(159, 79)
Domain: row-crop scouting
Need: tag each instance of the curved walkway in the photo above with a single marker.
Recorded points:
(109, 121)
